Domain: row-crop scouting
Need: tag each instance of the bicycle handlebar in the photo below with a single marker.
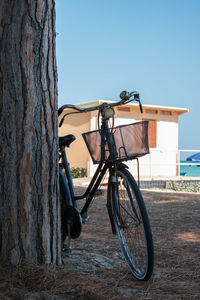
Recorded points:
(79, 109)
(125, 98)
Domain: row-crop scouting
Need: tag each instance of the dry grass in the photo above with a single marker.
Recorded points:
(54, 280)
(175, 225)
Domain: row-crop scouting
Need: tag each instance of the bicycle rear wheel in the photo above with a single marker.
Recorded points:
(132, 225)
(69, 215)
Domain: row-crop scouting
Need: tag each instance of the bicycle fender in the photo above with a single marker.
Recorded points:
(70, 212)
(65, 188)
(121, 166)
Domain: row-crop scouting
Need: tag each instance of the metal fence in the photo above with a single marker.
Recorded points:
(162, 164)
(167, 163)
(182, 161)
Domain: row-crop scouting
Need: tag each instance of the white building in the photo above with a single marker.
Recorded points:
(163, 137)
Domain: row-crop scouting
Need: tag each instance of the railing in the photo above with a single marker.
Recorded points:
(161, 164)
(167, 163)
(187, 163)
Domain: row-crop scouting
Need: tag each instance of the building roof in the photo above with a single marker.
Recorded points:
(178, 110)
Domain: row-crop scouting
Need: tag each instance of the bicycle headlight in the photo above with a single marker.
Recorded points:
(109, 113)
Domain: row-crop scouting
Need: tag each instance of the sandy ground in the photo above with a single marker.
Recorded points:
(175, 223)
(96, 270)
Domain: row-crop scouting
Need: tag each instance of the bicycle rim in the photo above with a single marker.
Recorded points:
(132, 226)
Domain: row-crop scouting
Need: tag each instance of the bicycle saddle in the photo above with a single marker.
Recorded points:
(66, 140)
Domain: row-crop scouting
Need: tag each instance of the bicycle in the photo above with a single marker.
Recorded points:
(109, 147)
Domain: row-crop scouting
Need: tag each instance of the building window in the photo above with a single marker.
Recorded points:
(151, 111)
(166, 112)
(152, 133)
(123, 108)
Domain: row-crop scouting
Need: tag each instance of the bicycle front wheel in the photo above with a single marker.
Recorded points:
(132, 225)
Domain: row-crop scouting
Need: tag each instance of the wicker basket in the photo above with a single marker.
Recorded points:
(129, 141)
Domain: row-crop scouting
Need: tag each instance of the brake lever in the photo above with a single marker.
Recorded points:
(137, 98)
(140, 105)
(61, 121)
(141, 108)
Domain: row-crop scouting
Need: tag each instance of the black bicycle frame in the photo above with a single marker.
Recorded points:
(92, 187)
(97, 177)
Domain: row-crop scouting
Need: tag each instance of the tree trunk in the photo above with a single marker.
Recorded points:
(29, 202)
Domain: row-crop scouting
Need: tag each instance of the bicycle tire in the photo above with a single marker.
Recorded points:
(69, 212)
(132, 225)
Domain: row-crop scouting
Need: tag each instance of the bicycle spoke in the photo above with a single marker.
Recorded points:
(127, 187)
(131, 222)
(129, 214)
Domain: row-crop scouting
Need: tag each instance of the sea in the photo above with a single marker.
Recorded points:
(189, 170)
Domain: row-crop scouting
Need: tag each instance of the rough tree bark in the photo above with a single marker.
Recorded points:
(29, 206)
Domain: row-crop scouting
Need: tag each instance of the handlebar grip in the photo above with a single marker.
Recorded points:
(136, 96)
(141, 109)
(61, 122)
(60, 110)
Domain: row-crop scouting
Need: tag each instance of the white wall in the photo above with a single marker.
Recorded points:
(124, 121)
(161, 162)
(167, 135)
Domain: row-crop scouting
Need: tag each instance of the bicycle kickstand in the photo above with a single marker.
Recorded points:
(67, 247)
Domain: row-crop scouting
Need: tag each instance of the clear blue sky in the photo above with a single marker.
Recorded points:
(152, 46)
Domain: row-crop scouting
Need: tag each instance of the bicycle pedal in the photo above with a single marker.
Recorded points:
(85, 220)
(99, 192)
(66, 249)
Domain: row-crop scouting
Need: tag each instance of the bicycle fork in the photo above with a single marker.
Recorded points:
(112, 198)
